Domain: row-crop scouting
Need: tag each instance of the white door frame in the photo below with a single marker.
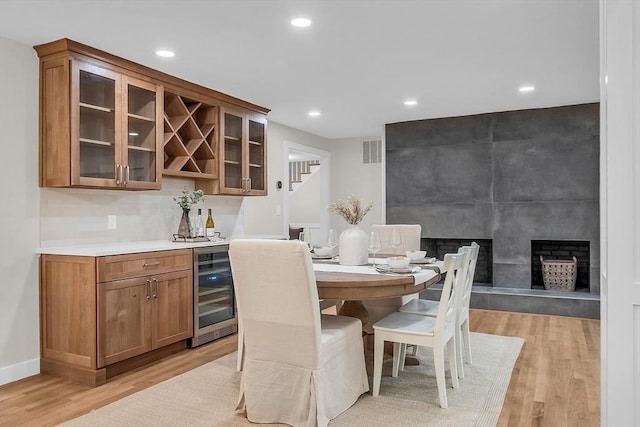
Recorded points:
(620, 212)
(325, 183)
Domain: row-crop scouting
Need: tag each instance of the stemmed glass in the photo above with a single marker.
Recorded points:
(332, 238)
(396, 240)
(374, 245)
(332, 242)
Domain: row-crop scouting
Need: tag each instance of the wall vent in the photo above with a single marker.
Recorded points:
(372, 151)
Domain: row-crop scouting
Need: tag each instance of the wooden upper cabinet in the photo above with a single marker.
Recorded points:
(242, 160)
(99, 127)
(106, 122)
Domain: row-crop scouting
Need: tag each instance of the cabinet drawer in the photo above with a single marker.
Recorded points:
(117, 267)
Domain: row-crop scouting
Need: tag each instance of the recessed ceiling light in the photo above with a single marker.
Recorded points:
(526, 88)
(410, 102)
(314, 113)
(301, 22)
(165, 53)
(133, 133)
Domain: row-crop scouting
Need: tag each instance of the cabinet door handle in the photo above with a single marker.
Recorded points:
(126, 176)
(149, 289)
(118, 174)
(249, 186)
(151, 264)
(155, 293)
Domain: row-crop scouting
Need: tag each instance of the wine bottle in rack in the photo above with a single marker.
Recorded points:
(210, 225)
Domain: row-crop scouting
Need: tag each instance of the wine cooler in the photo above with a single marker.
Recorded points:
(214, 309)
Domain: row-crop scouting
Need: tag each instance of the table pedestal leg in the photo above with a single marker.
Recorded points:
(355, 309)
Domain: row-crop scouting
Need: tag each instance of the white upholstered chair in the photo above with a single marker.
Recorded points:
(301, 368)
(410, 234)
(430, 308)
(436, 332)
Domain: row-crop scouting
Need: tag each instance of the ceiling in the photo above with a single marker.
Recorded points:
(357, 62)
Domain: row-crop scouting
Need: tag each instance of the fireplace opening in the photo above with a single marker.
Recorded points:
(484, 267)
(562, 250)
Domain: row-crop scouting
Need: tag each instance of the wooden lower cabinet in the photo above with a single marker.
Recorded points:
(142, 314)
(89, 327)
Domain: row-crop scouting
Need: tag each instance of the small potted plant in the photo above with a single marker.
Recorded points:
(185, 201)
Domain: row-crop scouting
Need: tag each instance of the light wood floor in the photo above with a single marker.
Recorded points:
(555, 382)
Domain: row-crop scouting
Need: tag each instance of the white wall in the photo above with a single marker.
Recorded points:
(351, 177)
(264, 215)
(19, 225)
(304, 203)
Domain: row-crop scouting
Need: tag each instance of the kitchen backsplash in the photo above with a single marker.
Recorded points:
(76, 216)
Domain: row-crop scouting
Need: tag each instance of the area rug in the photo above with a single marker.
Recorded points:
(207, 395)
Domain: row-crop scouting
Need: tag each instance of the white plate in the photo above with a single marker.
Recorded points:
(382, 268)
(316, 256)
(427, 260)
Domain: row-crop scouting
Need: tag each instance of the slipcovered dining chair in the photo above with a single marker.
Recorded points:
(301, 368)
(430, 308)
(410, 234)
(436, 332)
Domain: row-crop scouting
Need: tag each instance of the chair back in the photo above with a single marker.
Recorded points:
(452, 290)
(473, 251)
(277, 299)
(410, 234)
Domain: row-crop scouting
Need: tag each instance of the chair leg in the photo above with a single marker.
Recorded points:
(438, 359)
(467, 344)
(403, 356)
(414, 350)
(453, 362)
(397, 357)
(240, 360)
(457, 338)
(378, 355)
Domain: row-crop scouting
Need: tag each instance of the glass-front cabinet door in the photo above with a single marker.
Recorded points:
(116, 119)
(141, 167)
(256, 165)
(97, 153)
(232, 178)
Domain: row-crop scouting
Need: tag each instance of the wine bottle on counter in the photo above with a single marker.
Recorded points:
(210, 225)
(199, 225)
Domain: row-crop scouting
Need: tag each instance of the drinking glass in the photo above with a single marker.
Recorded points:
(396, 240)
(374, 245)
(332, 238)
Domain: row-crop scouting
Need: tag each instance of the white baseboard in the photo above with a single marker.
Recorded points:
(9, 374)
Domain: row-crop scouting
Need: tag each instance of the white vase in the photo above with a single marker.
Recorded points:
(353, 246)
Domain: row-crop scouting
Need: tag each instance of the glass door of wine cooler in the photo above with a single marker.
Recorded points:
(214, 302)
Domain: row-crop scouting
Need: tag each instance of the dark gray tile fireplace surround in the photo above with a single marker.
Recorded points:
(511, 177)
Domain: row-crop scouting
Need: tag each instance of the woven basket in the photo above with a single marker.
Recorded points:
(558, 274)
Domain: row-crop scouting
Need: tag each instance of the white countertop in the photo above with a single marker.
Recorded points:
(119, 248)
